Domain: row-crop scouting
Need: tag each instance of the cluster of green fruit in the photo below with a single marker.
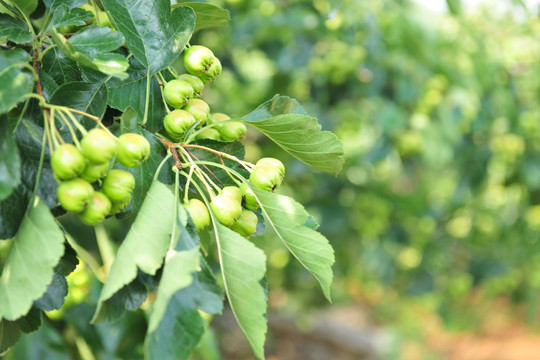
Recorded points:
(233, 206)
(190, 112)
(76, 168)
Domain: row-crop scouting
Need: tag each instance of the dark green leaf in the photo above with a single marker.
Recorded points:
(88, 97)
(29, 272)
(243, 266)
(10, 162)
(144, 174)
(94, 57)
(154, 35)
(54, 4)
(30, 322)
(61, 68)
(154, 221)
(26, 6)
(208, 15)
(63, 16)
(9, 334)
(49, 86)
(288, 218)
(16, 81)
(132, 93)
(45, 344)
(15, 30)
(281, 120)
(129, 297)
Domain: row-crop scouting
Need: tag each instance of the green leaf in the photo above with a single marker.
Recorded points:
(27, 272)
(26, 6)
(10, 162)
(177, 274)
(144, 174)
(153, 34)
(243, 266)
(132, 93)
(55, 4)
(44, 344)
(9, 334)
(282, 121)
(88, 97)
(293, 226)
(130, 297)
(60, 67)
(145, 244)
(63, 16)
(87, 50)
(15, 81)
(15, 30)
(208, 15)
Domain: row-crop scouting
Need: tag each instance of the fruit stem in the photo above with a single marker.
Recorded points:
(248, 166)
(52, 129)
(161, 164)
(172, 242)
(172, 71)
(161, 84)
(186, 190)
(228, 173)
(147, 100)
(206, 167)
(199, 173)
(78, 125)
(71, 130)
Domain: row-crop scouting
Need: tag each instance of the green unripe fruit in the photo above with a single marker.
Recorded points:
(74, 194)
(217, 117)
(199, 109)
(196, 83)
(93, 172)
(177, 93)
(177, 122)
(198, 213)
(102, 19)
(201, 62)
(98, 146)
(67, 162)
(118, 206)
(98, 208)
(248, 197)
(209, 133)
(233, 192)
(246, 225)
(118, 185)
(226, 209)
(265, 177)
(132, 149)
(232, 131)
(273, 162)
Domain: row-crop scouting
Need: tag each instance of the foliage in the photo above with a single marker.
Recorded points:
(70, 67)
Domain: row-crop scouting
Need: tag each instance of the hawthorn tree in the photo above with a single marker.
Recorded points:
(99, 120)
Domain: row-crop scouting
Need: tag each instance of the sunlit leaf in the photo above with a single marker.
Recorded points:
(207, 15)
(15, 30)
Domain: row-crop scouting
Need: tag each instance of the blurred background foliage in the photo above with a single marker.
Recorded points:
(436, 214)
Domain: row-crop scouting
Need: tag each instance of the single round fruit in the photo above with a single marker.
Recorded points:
(67, 162)
(217, 117)
(132, 149)
(74, 194)
(234, 192)
(201, 62)
(196, 83)
(177, 93)
(198, 213)
(199, 109)
(265, 177)
(246, 225)
(93, 172)
(232, 131)
(98, 207)
(118, 206)
(118, 185)
(248, 197)
(177, 122)
(273, 162)
(98, 146)
(226, 209)
(209, 133)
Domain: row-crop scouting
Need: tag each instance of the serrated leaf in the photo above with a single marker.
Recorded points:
(15, 30)
(282, 121)
(144, 174)
(208, 15)
(132, 93)
(88, 97)
(15, 81)
(145, 244)
(94, 57)
(54, 4)
(9, 334)
(27, 272)
(60, 67)
(44, 344)
(177, 274)
(293, 226)
(154, 35)
(129, 297)
(63, 16)
(243, 266)
(10, 162)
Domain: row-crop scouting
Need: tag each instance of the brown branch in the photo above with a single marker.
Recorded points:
(39, 89)
(172, 147)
